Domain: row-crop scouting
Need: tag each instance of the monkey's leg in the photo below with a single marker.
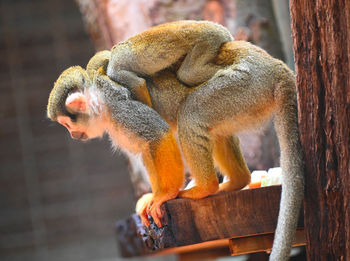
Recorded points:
(218, 107)
(134, 83)
(166, 172)
(197, 149)
(198, 65)
(230, 161)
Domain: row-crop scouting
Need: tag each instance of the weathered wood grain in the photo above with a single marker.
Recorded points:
(188, 222)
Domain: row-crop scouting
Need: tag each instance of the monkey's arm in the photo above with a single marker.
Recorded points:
(121, 70)
(99, 63)
(136, 85)
(140, 129)
(147, 133)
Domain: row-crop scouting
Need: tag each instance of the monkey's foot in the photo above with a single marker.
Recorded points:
(199, 191)
(149, 205)
(230, 185)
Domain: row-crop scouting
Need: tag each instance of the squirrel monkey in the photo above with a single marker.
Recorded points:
(250, 87)
(195, 42)
(88, 108)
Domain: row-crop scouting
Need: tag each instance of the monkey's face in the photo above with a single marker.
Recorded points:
(79, 121)
(83, 127)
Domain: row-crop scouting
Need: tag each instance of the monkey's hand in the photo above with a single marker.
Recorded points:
(101, 71)
(96, 73)
(148, 205)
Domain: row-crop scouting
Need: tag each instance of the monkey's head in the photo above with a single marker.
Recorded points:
(73, 105)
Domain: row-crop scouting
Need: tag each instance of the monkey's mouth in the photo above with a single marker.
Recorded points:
(83, 137)
(79, 136)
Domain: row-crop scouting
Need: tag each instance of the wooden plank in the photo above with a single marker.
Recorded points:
(205, 254)
(260, 243)
(200, 247)
(189, 222)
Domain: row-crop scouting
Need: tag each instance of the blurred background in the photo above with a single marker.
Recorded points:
(59, 199)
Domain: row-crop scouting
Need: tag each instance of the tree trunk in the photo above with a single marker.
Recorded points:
(321, 40)
(112, 21)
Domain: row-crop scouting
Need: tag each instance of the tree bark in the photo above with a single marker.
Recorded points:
(112, 21)
(321, 41)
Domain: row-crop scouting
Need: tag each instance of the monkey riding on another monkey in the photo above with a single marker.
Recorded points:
(189, 80)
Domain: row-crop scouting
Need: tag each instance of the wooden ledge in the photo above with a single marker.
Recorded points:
(260, 243)
(192, 224)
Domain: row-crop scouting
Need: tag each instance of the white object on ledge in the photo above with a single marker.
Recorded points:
(273, 177)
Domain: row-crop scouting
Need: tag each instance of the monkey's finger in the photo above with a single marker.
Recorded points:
(157, 221)
(156, 214)
(144, 217)
(149, 208)
(159, 211)
(141, 209)
(144, 220)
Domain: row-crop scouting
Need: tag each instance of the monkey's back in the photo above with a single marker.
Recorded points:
(163, 45)
(247, 71)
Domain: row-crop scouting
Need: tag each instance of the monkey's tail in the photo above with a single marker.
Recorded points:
(292, 163)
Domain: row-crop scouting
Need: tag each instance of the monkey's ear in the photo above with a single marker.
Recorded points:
(76, 102)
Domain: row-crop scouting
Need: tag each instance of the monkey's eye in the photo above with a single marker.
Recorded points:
(73, 117)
